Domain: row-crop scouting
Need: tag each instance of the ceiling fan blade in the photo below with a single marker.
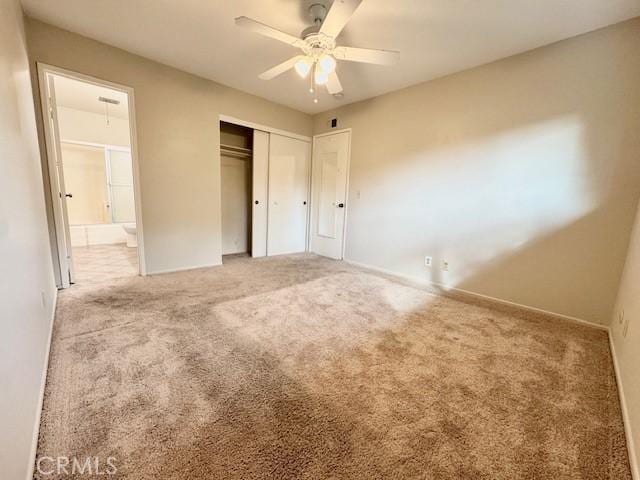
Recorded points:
(338, 16)
(366, 55)
(333, 85)
(280, 69)
(268, 31)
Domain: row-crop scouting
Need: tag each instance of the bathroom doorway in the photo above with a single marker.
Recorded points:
(92, 170)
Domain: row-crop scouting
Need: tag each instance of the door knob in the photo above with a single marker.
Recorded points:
(68, 195)
(257, 202)
(341, 205)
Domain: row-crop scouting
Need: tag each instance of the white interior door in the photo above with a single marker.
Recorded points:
(289, 161)
(58, 191)
(260, 173)
(329, 193)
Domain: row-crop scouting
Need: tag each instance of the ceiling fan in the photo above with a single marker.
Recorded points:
(318, 45)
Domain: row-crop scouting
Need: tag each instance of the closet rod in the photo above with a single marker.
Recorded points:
(234, 154)
(233, 148)
(231, 153)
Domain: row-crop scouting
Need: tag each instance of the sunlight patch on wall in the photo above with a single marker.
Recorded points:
(472, 203)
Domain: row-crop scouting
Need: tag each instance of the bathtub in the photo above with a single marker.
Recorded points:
(100, 234)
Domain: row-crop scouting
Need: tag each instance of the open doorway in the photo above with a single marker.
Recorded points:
(93, 177)
(236, 174)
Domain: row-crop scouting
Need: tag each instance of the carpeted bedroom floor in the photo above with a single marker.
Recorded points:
(300, 367)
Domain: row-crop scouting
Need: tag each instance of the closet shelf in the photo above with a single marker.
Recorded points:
(231, 149)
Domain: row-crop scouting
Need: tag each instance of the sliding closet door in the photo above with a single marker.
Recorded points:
(260, 193)
(289, 161)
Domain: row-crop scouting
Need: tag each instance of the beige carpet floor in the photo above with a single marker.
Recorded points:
(300, 367)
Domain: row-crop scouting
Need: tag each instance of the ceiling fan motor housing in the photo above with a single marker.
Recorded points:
(317, 13)
(317, 43)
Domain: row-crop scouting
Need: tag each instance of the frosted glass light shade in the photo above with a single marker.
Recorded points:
(327, 63)
(303, 66)
(321, 77)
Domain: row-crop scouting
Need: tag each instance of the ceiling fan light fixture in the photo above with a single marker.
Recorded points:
(327, 63)
(321, 77)
(303, 66)
(317, 63)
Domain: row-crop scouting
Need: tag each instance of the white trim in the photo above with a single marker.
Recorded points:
(81, 143)
(52, 172)
(333, 132)
(307, 240)
(184, 269)
(43, 382)
(346, 191)
(43, 69)
(264, 128)
(633, 460)
(448, 288)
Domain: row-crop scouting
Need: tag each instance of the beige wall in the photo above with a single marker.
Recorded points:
(27, 288)
(626, 346)
(522, 174)
(79, 125)
(178, 135)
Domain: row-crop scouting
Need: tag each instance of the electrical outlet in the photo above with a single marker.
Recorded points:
(625, 328)
(428, 261)
(445, 266)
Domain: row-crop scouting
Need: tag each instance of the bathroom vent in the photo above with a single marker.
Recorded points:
(107, 102)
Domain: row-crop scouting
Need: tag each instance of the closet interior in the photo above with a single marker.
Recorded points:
(236, 165)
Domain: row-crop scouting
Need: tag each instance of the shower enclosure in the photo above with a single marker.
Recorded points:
(99, 184)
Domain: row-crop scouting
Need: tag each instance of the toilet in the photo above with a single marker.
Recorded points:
(132, 238)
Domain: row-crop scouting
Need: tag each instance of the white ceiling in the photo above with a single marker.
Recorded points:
(434, 37)
(84, 96)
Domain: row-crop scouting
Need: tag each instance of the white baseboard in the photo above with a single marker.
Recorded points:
(43, 383)
(183, 269)
(448, 288)
(633, 460)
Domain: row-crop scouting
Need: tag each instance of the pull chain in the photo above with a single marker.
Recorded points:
(314, 87)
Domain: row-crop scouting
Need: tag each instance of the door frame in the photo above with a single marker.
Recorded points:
(59, 225)
(265, 128)
(346, 192)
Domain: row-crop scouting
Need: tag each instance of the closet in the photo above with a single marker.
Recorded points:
(235, 181)
(265, 181)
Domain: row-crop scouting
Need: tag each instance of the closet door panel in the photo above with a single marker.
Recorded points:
(260, 193)
(289, 170)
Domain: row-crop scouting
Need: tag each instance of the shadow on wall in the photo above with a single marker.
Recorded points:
(522, 174)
